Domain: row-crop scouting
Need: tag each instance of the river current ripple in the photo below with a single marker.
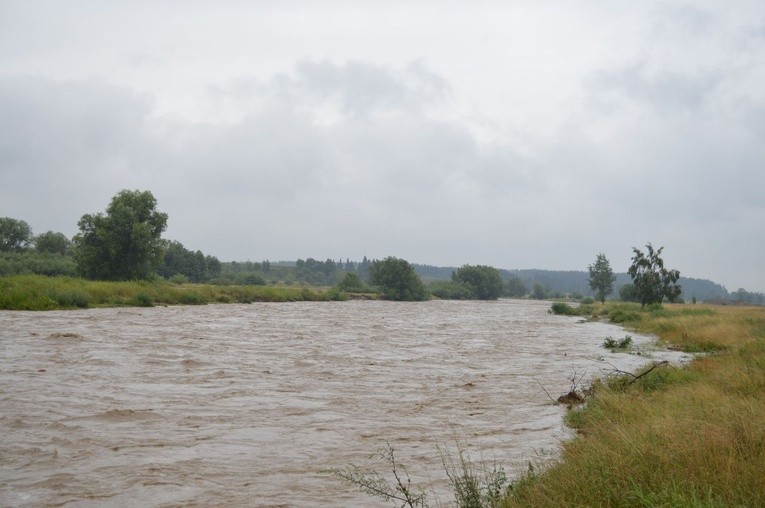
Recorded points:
(249, 405)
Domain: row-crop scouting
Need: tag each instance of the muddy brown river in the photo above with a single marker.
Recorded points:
(249, 405)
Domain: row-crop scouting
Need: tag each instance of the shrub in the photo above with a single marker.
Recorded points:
(142, 300)
(397, 280)
(450, 290)
(336, 295)
(32, 262)
(484, 282)
(351, 282)
(623, 315)
(252, 279)
(562, 309)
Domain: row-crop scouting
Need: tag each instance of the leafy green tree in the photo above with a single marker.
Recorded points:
(397, 280)
(351, 282)
(56, 243)
(653, 283)
(15, 235)
(195, 266)
(213, 266)
(484, 281)
(601, 278)
(313, 271)
(125, 243)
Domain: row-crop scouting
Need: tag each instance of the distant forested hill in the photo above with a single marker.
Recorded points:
(569, 282)
(576, 282)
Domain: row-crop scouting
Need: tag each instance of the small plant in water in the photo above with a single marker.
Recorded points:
(471, 489)
(618, 345)
(374, 484)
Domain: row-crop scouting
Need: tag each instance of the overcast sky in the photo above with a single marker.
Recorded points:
(513, 134)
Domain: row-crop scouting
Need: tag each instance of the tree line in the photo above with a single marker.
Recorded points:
(125, 243)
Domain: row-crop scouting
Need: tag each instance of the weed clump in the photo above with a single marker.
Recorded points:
(618, 344)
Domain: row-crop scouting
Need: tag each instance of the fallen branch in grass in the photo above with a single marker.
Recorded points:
(636, 377)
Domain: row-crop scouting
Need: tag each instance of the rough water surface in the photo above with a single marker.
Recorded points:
(250, 404)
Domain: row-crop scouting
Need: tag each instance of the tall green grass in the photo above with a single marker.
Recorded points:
(37, 292)
(679, 436)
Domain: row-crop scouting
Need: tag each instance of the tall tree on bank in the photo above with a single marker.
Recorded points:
(52, 242)
(653, 283)
(484, 281)
(601, 278)
(397, 280)
(15, 235)
(125, 243)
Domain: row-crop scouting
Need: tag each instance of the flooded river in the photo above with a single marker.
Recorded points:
(249, 404)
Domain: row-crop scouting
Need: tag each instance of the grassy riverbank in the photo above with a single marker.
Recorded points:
(38, 292)
(678, 436)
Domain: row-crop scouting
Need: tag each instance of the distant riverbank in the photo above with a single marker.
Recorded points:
(38, 292)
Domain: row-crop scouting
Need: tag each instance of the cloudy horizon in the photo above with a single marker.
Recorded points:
(517, 135)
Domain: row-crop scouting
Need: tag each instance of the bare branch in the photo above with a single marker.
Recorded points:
(544, 390)
(636, 377)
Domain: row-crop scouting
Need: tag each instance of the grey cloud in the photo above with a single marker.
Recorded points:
(685, 18)
(357, 88)
(74, 119)
(663, 90)
(276, 174)
(63, 142)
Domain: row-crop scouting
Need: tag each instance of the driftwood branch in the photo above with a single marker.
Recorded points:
(636, 377)
(573, 396)
(544, 390)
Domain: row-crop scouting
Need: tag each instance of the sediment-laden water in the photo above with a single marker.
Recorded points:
(250, 404)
